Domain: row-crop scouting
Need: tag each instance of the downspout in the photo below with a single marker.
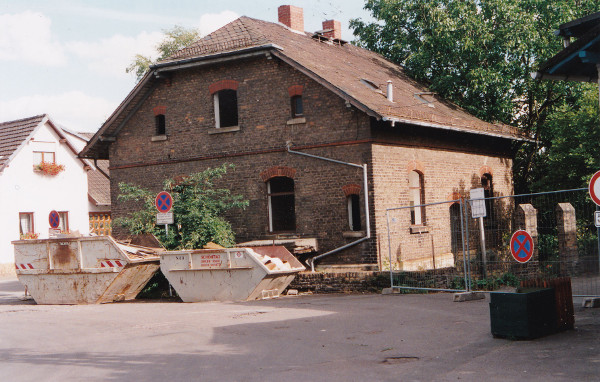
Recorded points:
(366, 192)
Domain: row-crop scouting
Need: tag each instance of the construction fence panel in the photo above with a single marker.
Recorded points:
(442, 246)
(561, 225)
(425, 246)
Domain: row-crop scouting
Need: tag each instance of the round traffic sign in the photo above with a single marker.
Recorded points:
(54, 219)
(594, 188)
(521, 246)
(163, 202)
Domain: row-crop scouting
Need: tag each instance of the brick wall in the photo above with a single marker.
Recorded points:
(259, 145)
(450, 169)
(450, 162)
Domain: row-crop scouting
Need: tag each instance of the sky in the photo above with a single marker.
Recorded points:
(67, 58)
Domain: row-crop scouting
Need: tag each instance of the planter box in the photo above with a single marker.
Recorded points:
(526, 315)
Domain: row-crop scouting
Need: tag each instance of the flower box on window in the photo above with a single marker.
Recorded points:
(29, 236)
(49, 168)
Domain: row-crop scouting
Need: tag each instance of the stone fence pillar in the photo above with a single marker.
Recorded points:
(526, 219)
(567, 238)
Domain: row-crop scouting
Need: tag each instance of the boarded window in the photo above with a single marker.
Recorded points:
(160, 124)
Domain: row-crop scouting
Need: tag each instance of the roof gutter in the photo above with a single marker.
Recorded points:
(366, 197)
(444, 127)
(561, 77)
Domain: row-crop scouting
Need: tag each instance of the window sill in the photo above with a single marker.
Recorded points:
(354, 234)
(221, 130)
(418, 229)
(296, 121)
(158, 138)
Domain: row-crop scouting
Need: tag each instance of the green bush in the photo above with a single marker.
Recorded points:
(197, 208)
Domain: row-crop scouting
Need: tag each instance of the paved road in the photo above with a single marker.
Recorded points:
(304, 338)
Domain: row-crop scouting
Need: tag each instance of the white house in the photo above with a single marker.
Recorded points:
(29, 192)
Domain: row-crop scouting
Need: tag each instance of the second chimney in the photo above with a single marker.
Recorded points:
(333, 28)
(292, 17)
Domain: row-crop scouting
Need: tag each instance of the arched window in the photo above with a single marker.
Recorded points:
(455, 229)
(354, 212)
(488, 192)
(160, 123)
(226, 108)
(282, 210)
(416, 197)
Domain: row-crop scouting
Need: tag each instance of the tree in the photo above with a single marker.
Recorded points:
(479, 54)
(175, 39)
(197, 208)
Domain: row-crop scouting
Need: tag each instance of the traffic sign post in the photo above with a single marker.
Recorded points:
(478, 210)
(164, 203)
(521, 246)
(594, 190)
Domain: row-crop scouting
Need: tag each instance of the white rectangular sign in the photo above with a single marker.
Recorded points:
(477, 201)
(164, 218)
(597, 218)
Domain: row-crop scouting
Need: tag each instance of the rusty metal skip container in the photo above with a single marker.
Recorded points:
(230, 274)
(83, 270)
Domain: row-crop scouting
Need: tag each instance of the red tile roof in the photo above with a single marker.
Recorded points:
(13, 134)
(343, 68)
(99, 184)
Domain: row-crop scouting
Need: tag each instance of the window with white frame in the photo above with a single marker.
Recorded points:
(281, 199)
(226, 108)
(25, 222)
(416, 197)
(64, 221)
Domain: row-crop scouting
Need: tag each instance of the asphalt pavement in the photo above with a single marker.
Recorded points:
(358, 337)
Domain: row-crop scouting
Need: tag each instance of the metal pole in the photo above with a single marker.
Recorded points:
(387, 216)
(167, 230)
(483, 254)
(598, 229)
(468, 248)
(598, 236)
(462, 239)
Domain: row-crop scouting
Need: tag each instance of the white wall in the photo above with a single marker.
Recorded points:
(23, 190)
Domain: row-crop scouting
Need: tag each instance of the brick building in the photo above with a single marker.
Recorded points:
(256, 94)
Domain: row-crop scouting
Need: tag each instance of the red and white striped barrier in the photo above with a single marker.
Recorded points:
(111, 264)
(23, 266)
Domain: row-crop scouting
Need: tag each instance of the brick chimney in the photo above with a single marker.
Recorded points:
(292, 17)
(335, 27)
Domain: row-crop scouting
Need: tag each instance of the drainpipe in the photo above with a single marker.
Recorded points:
(365, 191)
